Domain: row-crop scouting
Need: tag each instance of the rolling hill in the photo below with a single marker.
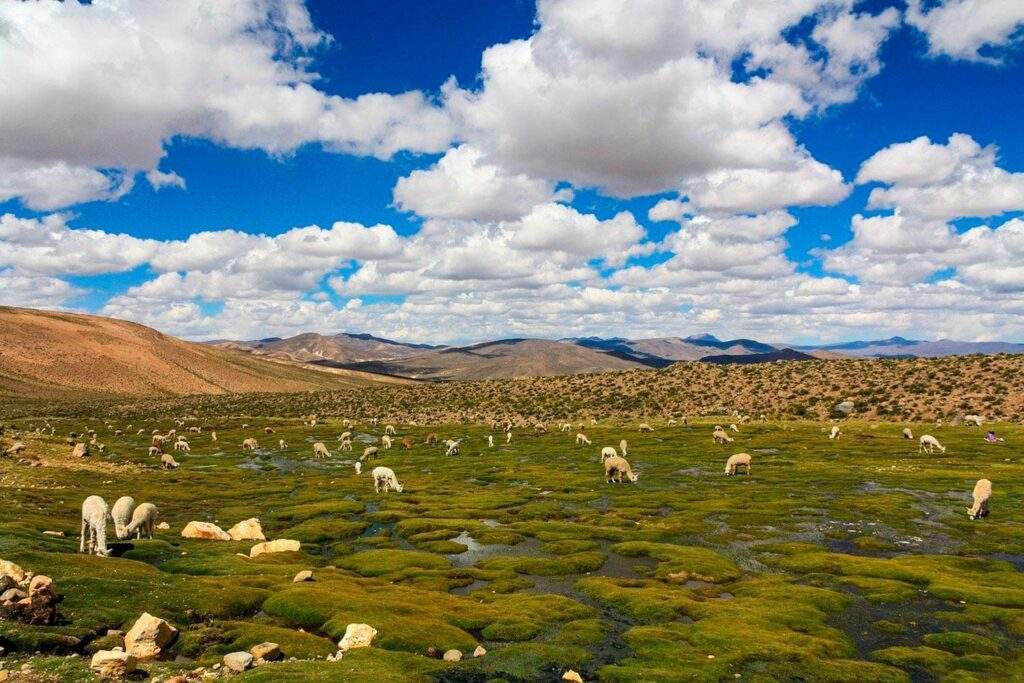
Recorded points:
(900, 347)
(341, 348)
(503, 358)
(49, 354)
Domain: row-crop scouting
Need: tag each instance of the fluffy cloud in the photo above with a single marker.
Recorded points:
(18, 288)
(47, 246)
(939, 181)
(643, 99)
(963, 28)
(463, 185)
(93, 87)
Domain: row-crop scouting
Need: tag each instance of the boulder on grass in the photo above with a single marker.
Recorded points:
(148, 637)
(112, 664)
(356, 636)
(281, 545)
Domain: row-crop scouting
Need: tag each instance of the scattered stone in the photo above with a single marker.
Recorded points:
(163, 526)
(844, 407)
(268, 652)
(40, 583)
(13, 595)
(112, 664)
(148, 637)
(281, 545)
(54, 533)
(304, 575)
(115, 633)
(204, 530)
(247, 530)
(572, 676)
(452, 656)
(356, 636)
(479, 651)
(238, 661)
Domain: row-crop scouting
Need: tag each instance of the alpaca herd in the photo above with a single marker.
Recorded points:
(138, 521)
(127, 518)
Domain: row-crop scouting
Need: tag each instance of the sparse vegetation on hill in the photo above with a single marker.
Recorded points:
(905, 389)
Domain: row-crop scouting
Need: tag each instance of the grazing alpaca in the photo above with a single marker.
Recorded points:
(384, 478)
(929, 443)
(121, 513)
(737, 461)
(95, 514)
(615, 467)
(143, 521)
(982, 492)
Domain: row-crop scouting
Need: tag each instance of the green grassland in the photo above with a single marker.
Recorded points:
(845, 560)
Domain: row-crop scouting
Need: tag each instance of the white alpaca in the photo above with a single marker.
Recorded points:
(384, 478)
(737, 461)
(168, 462)
(720, 436)
(453, 447)
(907, 434)
(281, 445)
(389, 429)
(320, 450)
(490, 441)
(250, 444)
(644, 427)
(608, 452)
(624, 447)
(95, 514)
(734, 428)
(582, 440)
(982, 492)
(213, 436)
(615, 468)
(929, 443)
(182, 446)
(346, 445)
(121, 513)
(369, 452)
(566, 427)
(359, 467)
(143, 521)
(385, 441)
(835, 433)
(345, 436)
(508, 437)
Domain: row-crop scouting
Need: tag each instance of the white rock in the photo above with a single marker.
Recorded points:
(247, 530)
(356, 636)
(238, 661)
(111, 664)
(148, 637)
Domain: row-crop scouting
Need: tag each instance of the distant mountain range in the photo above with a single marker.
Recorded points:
(572, 355)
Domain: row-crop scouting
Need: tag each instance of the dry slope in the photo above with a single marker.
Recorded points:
(48, 354)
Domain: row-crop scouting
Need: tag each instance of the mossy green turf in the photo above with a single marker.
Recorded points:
(844, 560)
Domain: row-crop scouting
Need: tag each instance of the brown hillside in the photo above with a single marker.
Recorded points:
(504, 358)
(49, 354)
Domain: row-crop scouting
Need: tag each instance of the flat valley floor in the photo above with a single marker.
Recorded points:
(833, 560)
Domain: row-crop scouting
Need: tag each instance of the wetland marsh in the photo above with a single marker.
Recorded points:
(843, 560)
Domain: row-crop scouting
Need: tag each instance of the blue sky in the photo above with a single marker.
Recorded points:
(465, 170)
